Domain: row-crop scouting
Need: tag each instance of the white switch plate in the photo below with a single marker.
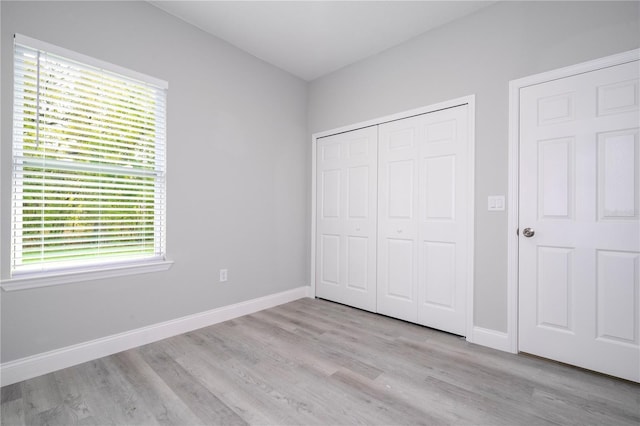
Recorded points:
(495, 203)
(223, 275)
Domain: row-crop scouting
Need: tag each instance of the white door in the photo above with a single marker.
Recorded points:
(423, 215)
(579, 297)
(398, 179)
(346, 218)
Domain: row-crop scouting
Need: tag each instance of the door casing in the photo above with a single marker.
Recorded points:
(510, 343)
(466, 100)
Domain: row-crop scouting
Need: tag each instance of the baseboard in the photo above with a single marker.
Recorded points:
(47, 362)
(490, 338)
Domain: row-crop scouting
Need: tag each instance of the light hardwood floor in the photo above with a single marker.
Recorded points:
(315, 362)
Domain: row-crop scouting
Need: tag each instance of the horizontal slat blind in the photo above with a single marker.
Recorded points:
(88, 164)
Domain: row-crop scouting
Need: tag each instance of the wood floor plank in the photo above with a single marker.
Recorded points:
(580, 389)
(84, 391)
(386, 402)
(298, 353)
(454, 410)
(12, 413)
(43, 403)
(97, 393)
(300, 384)
(11, 392)
(319, 363)
(342, 359)
(230, 379)
(204, 404)
(153, 392)
(231, 383)
(340, 316)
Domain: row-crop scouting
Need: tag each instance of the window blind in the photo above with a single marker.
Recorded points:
(88, 163)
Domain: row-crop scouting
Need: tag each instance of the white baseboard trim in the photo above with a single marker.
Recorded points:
(47, 362)
(491, 338)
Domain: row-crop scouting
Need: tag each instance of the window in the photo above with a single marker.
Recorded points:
(88, 187)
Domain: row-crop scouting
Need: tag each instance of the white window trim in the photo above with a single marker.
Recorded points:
(93, 272)
(88, 60)
(88, 274)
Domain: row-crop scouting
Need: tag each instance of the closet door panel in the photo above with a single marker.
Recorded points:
(439, 274)
(439, 189)
(422, 219)
(346, 218)
(400, 264)
(442, 221)
(397, 210)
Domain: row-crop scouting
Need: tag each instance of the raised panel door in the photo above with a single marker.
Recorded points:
(422, 219)
(346, 218)
(579, 298)
(398, 181)
(444, 209)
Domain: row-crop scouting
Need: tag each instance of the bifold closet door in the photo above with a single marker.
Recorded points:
(422, 219)
(346, 218)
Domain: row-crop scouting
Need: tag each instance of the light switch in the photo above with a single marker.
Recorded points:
(495, 203)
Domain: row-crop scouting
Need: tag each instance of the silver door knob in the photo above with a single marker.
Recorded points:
(528, 232)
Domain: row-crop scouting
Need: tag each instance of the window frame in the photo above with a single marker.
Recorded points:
(83, 271)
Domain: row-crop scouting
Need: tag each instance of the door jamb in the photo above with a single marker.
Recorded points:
(470, 101)
(514, 168)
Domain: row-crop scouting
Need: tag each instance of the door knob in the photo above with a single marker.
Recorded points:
(528, 232)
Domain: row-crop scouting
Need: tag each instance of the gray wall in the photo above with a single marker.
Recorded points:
(237, 175)
(477, 55)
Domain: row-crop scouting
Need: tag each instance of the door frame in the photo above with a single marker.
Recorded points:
(514, 169)
(470, 101)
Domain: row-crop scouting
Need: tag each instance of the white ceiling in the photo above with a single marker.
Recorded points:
(310, 39)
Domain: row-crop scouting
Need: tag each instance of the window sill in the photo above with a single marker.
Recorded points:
(96, 273)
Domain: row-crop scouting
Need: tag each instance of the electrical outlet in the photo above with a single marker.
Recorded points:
(223, 275)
